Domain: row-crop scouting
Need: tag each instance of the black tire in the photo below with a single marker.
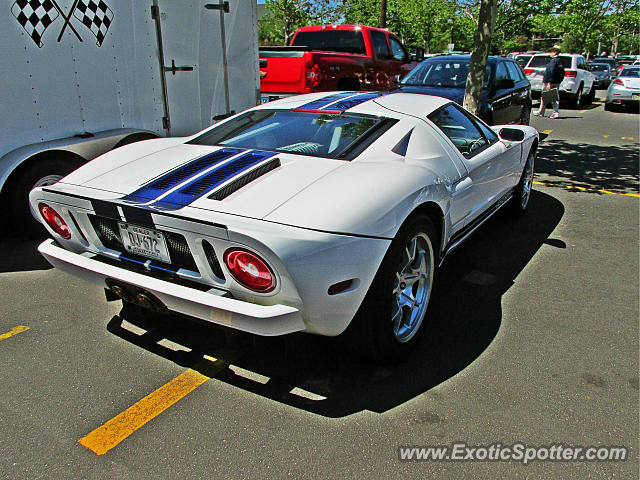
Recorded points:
(608, 107)
(41, 173)
(522, 192)
(576, 99)
(136, 137)
(382, 329)
(349, 84)
(588, 99)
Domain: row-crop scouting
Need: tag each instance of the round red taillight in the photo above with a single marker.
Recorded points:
(54, 220)
(249, 270)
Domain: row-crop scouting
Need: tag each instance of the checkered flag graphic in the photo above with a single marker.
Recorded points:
(35, 16)
(96, 16)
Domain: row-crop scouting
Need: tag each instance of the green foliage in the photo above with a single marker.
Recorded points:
(433, 24)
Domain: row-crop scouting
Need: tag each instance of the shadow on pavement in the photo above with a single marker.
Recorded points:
(21, 254)
(588, 166)
(318, 375)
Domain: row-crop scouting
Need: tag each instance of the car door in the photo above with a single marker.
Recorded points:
(488, 161)
(382, 66)
(521, 95)
(503, 96)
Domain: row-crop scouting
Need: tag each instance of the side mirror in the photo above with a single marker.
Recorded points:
(511, 134)
(505, 83)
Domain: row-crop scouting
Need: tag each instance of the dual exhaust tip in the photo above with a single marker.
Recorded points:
(131, 294)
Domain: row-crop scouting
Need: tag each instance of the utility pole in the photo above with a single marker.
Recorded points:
(383, 13)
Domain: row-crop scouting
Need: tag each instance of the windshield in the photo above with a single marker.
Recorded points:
(304, 133)
(543, 60)
(443, 73)
(599, 67)
(349, 41)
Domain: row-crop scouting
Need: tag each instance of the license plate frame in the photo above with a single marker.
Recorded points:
(144, 241)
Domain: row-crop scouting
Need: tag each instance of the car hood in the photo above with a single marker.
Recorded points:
(165, 176)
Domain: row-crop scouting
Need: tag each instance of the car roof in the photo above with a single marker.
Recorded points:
(386, 104)
(461, 58)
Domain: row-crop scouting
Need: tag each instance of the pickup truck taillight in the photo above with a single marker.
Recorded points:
(313, 79)
(528, 71)
(617, 81)
(570, 73)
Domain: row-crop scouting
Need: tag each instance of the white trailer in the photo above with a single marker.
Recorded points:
(81, 77)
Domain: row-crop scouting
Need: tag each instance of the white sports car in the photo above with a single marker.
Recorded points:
(321, 213)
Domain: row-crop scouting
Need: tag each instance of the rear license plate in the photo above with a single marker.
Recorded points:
(635, 96)
(144, 241)
(264, 99)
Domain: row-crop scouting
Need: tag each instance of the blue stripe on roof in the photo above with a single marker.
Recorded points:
(166, 182)
(202, 185)
(324, 101)
(348, 103)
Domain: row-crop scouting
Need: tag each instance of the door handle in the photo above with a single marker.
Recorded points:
(173, 69)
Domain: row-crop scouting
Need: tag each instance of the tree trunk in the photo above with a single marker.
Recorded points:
(383, 13)
(478, 65)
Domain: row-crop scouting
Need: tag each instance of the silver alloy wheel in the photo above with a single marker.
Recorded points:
(579, 97)
(412, 287)
(527, 182)
(44, 182)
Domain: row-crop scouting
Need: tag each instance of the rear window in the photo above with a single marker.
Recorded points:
(543, 60)
(599, 67)
(304, 133)
(348, 41)
(630, 72)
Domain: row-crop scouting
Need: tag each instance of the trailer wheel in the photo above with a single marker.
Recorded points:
(37, 173)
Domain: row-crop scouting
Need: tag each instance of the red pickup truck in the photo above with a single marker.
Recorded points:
(333, 57)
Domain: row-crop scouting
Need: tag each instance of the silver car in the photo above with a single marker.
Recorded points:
(625, 89)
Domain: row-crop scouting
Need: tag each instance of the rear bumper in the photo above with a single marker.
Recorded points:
(209, 306)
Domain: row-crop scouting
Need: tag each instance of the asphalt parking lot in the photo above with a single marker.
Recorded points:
(533, 338)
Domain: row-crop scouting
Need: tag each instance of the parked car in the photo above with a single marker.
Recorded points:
(602, 74)
(624, 61)
(506, 95)
(625, 89)
(577, 88)
(334, 57)
(613, 65)
(266, 221)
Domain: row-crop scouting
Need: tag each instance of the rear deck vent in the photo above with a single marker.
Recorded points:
(212, 258)
(236, 185)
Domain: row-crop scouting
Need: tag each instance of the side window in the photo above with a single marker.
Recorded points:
(501, 73)
(489, 134)
(398, 50)
(514, 71)
(464, 133)
(380, 46)
(581, 63)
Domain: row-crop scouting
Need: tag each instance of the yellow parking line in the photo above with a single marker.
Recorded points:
(582, 111)
(104, 438)
(14, 331)
(626, 138)
(583, 189)
(547, 132)
(605, 136)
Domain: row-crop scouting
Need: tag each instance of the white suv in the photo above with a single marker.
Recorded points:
(578, 84)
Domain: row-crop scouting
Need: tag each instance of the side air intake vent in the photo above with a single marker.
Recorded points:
(212, 258)
(236, 185)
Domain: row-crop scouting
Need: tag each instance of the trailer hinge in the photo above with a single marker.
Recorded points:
(155, 12)
(217, 6)
(166, 124)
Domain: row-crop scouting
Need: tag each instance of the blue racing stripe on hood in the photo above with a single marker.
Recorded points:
(167, 181)
(202, 185)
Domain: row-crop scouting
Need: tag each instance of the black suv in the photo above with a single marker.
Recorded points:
(506, 96)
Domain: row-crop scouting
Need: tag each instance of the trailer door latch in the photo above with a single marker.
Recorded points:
(173, 69)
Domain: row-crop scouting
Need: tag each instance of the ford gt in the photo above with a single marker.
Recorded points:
(326, 213)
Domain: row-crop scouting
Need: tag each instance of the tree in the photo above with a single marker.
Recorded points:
(478, 64)
(283, 19)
